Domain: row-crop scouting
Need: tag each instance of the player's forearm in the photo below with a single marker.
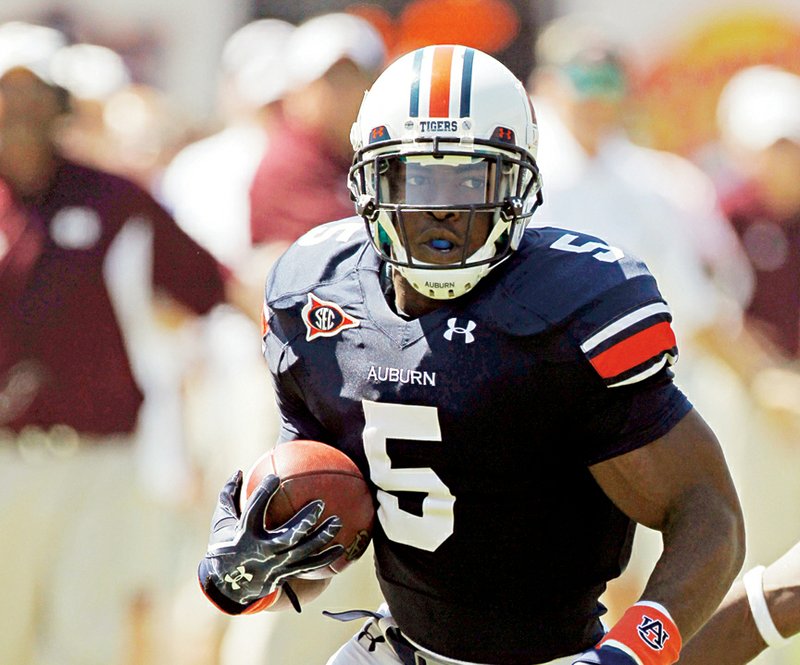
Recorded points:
(703, 552)
(730, 631)
(782, 593)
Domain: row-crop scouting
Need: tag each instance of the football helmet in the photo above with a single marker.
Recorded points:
(446, 128)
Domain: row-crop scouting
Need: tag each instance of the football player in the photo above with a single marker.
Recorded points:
(507, 392)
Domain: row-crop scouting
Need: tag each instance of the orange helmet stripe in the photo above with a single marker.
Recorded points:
(440, 82)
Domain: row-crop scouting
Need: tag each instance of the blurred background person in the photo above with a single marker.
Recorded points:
(115, 124)
(316, 82)
(89, 470)
(93, 74)
(661, 208)
(227, 400)
(759, 120)
(652, 203)
(206, 186)
(759, 117)
(331, 61)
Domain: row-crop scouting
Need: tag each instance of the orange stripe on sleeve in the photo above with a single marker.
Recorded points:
(264, 323)
(634, 350)
(440, 82)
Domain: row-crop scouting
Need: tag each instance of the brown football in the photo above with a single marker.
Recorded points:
(311, 470)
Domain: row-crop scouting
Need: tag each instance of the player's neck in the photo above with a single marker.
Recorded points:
(408, 302)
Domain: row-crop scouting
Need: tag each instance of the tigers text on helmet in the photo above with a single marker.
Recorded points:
(445, 129)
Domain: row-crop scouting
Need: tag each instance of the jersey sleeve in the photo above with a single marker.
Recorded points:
(183, 268)
(626, 339)
(618, 421)
(627, 336)
(296, 421)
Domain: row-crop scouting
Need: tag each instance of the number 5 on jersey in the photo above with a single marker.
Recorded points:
(412, 423)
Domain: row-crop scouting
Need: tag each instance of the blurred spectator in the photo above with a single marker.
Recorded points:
(206, 186)
(92, 74)
(331, 61)
(759, 118)
(759, 121)
(654, 205)
(301, 181)
(114, 124)
(227, 397)
(144, 129)
(84, 473)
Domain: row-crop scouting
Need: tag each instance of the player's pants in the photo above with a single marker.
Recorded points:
(377, 644)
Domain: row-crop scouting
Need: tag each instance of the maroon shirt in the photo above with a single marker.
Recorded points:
(62, 356)
(773, 247)
(299, 184)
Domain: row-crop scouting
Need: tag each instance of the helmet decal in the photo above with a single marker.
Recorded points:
(441, 83)
(379, 134)
(504, 135)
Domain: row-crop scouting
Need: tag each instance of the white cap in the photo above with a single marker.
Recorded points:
(255, 58)
(89, 71)
(759, 106)
(322, 41)
(29, 46)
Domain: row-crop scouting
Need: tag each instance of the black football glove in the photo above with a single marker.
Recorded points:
(246, 562)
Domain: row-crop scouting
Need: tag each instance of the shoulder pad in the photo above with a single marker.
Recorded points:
(556, 273)
(326, 254)
(606, 302)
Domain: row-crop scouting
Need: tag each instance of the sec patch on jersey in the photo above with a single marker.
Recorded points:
(325, 319)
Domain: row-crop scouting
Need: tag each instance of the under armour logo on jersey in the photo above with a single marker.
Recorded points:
(453, 328)
(325, 319)
(239, 575)
(652, 632)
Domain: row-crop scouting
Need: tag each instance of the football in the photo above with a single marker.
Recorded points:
(311, 470)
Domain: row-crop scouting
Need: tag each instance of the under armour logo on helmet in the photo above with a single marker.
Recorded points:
(453, 327)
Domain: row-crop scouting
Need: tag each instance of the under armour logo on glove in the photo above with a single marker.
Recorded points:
(246, 562)
(453, 328)
(240, 574)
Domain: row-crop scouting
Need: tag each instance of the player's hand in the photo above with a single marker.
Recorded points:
(605, 655)
(246, 562)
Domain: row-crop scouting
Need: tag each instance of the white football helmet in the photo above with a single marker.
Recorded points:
(435, 113)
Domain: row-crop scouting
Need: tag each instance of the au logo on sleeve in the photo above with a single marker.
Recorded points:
(325, 319)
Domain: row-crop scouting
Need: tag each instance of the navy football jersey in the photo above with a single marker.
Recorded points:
(476, 424)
